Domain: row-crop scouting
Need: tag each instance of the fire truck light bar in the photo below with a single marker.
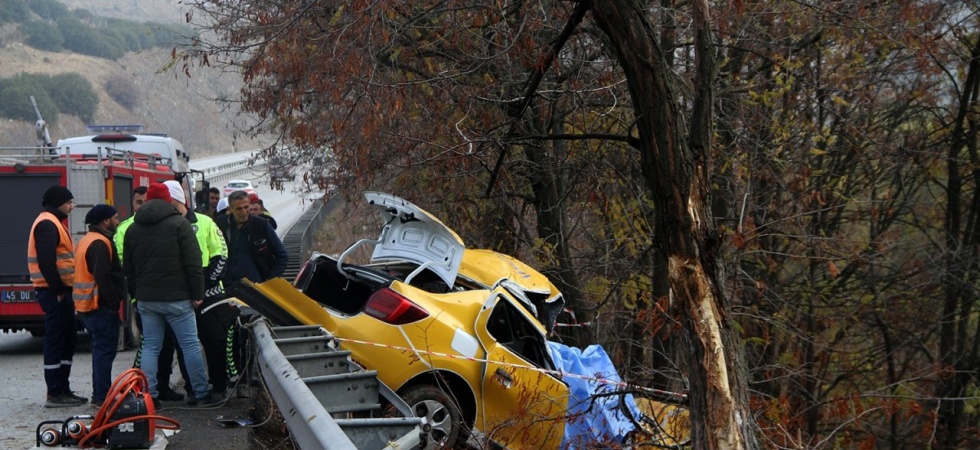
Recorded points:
(99, 129)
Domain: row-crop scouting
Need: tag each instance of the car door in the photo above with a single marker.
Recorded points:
(524, 406)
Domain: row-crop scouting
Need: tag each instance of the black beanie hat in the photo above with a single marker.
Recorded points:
(56, 196)
(99, 213)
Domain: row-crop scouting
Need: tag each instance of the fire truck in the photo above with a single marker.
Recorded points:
(103, 167)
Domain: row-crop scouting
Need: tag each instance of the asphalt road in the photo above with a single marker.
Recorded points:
(22, 396)
(22, 389)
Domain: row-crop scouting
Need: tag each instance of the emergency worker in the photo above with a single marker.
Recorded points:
(99, 290)
(51, 264)
(139, 197)
(209, 206)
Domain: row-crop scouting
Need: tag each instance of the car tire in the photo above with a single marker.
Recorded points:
(442, 420)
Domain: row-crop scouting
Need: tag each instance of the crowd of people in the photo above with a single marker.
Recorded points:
(173, 264)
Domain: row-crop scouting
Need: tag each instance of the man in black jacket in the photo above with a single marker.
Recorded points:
(254, 249)
(163, 260)
(99, 290)
(51, 264)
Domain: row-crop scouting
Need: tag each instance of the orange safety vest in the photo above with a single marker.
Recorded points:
(65, 254)
(86, 293)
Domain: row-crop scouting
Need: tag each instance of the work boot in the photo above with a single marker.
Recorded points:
(77, 397)
(63, 401)
(212, 399)
(169, 395)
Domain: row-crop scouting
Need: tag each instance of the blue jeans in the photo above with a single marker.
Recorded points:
(103, 327)
(180, 316)
(60, 336)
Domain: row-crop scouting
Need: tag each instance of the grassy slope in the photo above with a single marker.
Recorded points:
(170, 103)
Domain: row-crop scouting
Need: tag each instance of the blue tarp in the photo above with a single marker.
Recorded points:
(592, 419)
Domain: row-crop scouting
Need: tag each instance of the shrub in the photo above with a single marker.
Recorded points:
(73, 94)
(122, 89)
(43, 36)
(49, 9)
(14, 11)
(15, 99)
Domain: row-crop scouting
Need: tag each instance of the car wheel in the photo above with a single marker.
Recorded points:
(442, 422)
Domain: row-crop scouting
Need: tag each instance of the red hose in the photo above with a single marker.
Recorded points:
(132, 382)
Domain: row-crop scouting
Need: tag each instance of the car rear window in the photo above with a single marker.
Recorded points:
(237, 184)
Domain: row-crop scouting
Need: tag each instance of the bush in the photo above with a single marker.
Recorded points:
(73, 94)
(122, 89)
(15, 99)
(43, 36)
(49, 9)
(14, 11)
(84, 39)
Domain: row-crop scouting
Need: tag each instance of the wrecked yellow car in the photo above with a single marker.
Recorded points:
(459, 334)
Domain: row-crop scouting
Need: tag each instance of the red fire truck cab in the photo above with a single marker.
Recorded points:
(101, 168)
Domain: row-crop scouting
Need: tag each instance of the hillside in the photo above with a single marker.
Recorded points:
(167, 103)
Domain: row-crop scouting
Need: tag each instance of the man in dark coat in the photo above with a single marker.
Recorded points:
(163, 260)
(99, 290)
(51, 264)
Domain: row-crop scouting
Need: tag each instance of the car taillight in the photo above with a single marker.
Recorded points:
(302, 271)
(391, 307)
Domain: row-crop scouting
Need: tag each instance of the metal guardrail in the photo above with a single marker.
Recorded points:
(311, 381)
(230, 171)
(314, 384)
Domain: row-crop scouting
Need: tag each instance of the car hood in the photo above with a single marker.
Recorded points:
(526, 284)
(412, 234)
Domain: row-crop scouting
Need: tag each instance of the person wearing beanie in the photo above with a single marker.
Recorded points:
(99, 290)
(176, 191)
(217, 327)
(162, 260)
(51, 263)
(221, 209)
(165, 364)
(158, 191)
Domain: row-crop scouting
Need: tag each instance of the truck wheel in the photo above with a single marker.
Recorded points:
(442, 420)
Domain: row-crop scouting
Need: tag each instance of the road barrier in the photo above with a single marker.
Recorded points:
(238, 168)
(311, 380)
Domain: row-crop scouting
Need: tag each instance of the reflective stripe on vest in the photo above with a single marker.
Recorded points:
(65, 259)
(86, 293)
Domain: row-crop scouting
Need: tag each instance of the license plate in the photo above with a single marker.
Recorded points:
(18, 296)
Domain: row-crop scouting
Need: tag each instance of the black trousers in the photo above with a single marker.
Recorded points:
(217, 328)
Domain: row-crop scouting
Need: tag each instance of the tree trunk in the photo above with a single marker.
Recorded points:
(676, 169)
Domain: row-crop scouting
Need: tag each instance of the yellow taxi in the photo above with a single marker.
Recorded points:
(459, 334)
